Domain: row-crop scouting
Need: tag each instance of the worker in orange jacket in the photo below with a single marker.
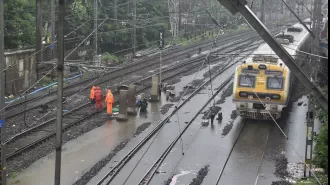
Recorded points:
(98, 98)
(92, 95)
(109, 100)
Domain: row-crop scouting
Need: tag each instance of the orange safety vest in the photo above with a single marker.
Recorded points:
(109, 100)
(92, 95)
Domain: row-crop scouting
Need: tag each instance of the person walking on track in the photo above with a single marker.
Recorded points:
(109, 100)
(98, 98)
(92, 95)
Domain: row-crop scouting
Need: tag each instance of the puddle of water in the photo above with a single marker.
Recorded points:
(176, 177)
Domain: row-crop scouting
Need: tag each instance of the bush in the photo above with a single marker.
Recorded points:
(108, 58)
(321, 149)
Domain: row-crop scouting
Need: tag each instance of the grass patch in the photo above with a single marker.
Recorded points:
(312, 180)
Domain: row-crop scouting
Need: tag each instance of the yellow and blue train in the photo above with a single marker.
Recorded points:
(263, 83)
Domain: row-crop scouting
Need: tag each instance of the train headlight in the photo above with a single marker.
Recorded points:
(243, 94)
(276, 97)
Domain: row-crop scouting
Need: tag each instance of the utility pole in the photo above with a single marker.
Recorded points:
(95, 26)
(240, 6)
(161, 47)
(116, 21)
(309, 137)
(39, 33)
(3, 170)
(317, 19)
(262, 11)
(53, 18)
(60, 73)
(134, 29)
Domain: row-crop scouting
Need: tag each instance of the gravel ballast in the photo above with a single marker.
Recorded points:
(103, 162)
(200, 176)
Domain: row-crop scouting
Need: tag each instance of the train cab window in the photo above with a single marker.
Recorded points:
(247, 81)
(275, 83)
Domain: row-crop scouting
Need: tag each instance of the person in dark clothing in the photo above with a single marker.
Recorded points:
(212, 115)
(220, 116)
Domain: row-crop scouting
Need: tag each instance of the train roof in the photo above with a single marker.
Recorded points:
(299, 38)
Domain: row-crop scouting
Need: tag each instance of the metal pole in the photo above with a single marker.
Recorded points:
(317, 19)
(262, 17)
(53, 22)
(59, 115)
(309, 137)
(115, 25)
(39, 29)
(3, 175)
(241, 6)
(95, 26)
(134, 28)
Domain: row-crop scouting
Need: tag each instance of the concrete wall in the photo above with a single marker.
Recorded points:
(20, 73)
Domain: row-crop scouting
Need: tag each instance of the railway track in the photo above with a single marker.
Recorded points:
(44, 119)
(44, 131)
(110, 177)
(126, 69)
(255, 135)
(18, 108)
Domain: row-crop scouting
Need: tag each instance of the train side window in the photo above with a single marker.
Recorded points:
(247, 81)
(275, 83)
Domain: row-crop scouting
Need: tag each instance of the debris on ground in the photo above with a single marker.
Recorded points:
(168, 182)
(142, 128)
(207, 114)
(165, 108)
(281, 167)
(234, 114)
(227, 128)
(200, 176)
(282, 182)
(228, 92)
(99, 165)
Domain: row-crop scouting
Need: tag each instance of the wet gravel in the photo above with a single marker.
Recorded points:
(228, 92)
(200, 176)
(168, 182)
(281, 183)
(234, 114)
(142, 128)
(99, 165)
(103, 162)
(215, 69)
(207, 114)
(281, 167)
(193, 86)
(165, 108)
(227, 128)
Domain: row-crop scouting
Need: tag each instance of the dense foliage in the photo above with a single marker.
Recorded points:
(113, 36)
(322, 143)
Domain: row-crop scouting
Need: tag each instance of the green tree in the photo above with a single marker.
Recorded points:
(321, 149)
(19, 23)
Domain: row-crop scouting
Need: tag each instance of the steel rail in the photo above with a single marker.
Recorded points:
(114, 75)
(151, 172)
(84, 105)
(116, 169)
(26, 147)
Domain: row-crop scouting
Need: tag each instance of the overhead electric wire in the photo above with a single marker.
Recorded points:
(24, 93)
(285, 135)
(176, 109)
